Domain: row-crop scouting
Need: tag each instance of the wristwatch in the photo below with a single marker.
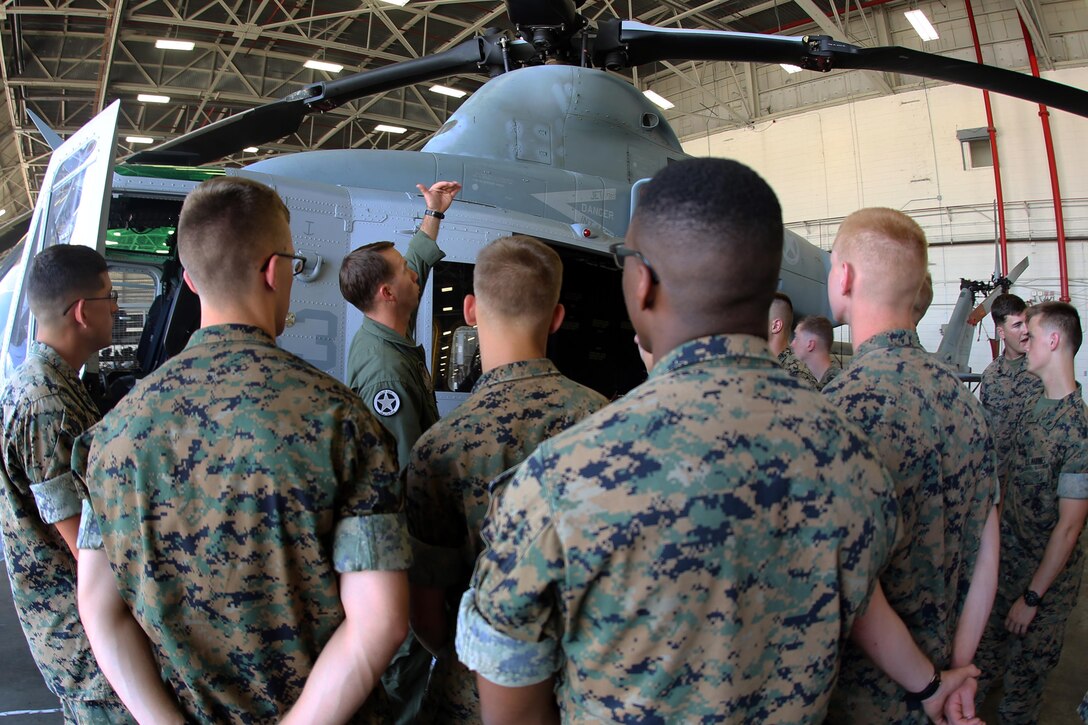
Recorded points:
(1032, 599)
(435, 214)
(916, 698)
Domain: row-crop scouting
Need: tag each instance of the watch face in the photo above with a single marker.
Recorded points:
(1031, 598)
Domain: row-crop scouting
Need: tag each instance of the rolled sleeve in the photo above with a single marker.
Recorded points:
(498, 657)
(378, 542)
(58, 498)
(1073, 485)
(89, 536)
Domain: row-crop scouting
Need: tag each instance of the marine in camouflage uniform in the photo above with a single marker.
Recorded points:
(932, 436)
(1007, 388)
(791, 364)
(45, 407)
(512, 408)
(389, 370)
(696, 551)
(1049, 462)
(231, 487)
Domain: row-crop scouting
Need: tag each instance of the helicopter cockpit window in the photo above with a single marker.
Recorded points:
(594, 346)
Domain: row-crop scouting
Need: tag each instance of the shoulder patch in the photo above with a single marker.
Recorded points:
(386, 402)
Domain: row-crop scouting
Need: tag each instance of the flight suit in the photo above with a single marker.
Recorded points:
(932, 435)
(793, 365)
(230, 488)
(45, 407)
(512, 408)
(695, 551)
(1049, 462)
(1005, 391)
(389, 371)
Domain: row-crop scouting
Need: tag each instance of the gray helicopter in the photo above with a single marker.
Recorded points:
(554, 146)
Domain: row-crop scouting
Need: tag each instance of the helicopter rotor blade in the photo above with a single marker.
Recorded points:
(277, 119)
(543, 14)
(624, 43)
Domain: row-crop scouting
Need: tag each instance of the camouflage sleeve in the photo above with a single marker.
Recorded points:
(1073, 477)
(47, 456)
(506, 625)
(371, 529)
(435, 523)
(89, 536)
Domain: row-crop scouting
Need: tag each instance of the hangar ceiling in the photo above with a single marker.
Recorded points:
(66, 60)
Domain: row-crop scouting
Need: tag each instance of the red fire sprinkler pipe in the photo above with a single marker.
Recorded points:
(1059, 220)
(992, 130)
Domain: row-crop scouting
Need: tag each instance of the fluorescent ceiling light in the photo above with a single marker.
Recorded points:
(921, 24)
(658, 100)
(447, 91)
(165, 44)
(250, 150)
(152, 98)
(389, 129)
(3, 212)
(322, 65)
(791, 68)
(139, 139)
(398, 3)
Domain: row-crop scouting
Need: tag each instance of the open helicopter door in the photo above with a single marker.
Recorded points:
(72, 208)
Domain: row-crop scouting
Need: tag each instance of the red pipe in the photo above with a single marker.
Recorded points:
(1059, 220)
(1002, 239)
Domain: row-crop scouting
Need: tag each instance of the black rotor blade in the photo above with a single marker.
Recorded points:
(275, 120)
(542, 13)
(625, 43)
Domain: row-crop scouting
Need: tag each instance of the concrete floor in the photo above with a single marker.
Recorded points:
(24, 700)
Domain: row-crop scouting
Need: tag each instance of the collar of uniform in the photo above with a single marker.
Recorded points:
(1049, 411)
(516, 371)
(53, 359)
(386, 333)
(229, 333)
(1012, 367)
(891, 338)
(714, 346)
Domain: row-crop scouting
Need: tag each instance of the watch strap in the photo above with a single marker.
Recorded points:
(435, 214)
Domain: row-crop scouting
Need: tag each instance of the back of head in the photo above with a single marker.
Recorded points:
(889, 251)
(58, 276)
(712, 230)
(820, 329)
(228, 225)
(782, 309)
(1005, 305)
(1061, 317)
(923, 299)
(363, 272)
(518, 278)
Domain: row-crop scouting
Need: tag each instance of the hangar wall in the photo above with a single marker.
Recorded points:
(902, 151)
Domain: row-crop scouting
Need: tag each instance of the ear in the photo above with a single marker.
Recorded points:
(270, 272)
(470, 309)
(1001, 333)
(189, 282)
(557, 318)
(79, 313)
(810, 345)
(847, 279)
(1054, 340)
(385, 293)
(644, 288)
(776, 326)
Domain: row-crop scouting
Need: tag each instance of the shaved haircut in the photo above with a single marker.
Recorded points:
(890, 248)
(228, 224)
(363, 272)
(712, 230)
(518, 277)
(1060, 317)
(820, 329)
(782, 309)
(60, 275)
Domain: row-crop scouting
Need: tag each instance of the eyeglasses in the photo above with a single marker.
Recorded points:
(112, 296)
(298, 262)
(619, 252)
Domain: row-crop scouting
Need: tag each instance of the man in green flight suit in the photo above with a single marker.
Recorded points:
(389, 372)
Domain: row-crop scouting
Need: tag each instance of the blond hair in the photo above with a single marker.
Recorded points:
(889, 250)
(518, 277)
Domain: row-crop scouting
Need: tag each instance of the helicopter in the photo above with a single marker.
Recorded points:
(554, 146)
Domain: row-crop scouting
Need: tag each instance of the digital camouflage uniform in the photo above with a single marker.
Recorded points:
(932, 435)
(1049, 462)
(45, 408)
(833, 371)
(696, 551)
(1005, 391)
(512, 408)
(793, 365)
(389, 371)
(231, 487)
(1082, 710)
